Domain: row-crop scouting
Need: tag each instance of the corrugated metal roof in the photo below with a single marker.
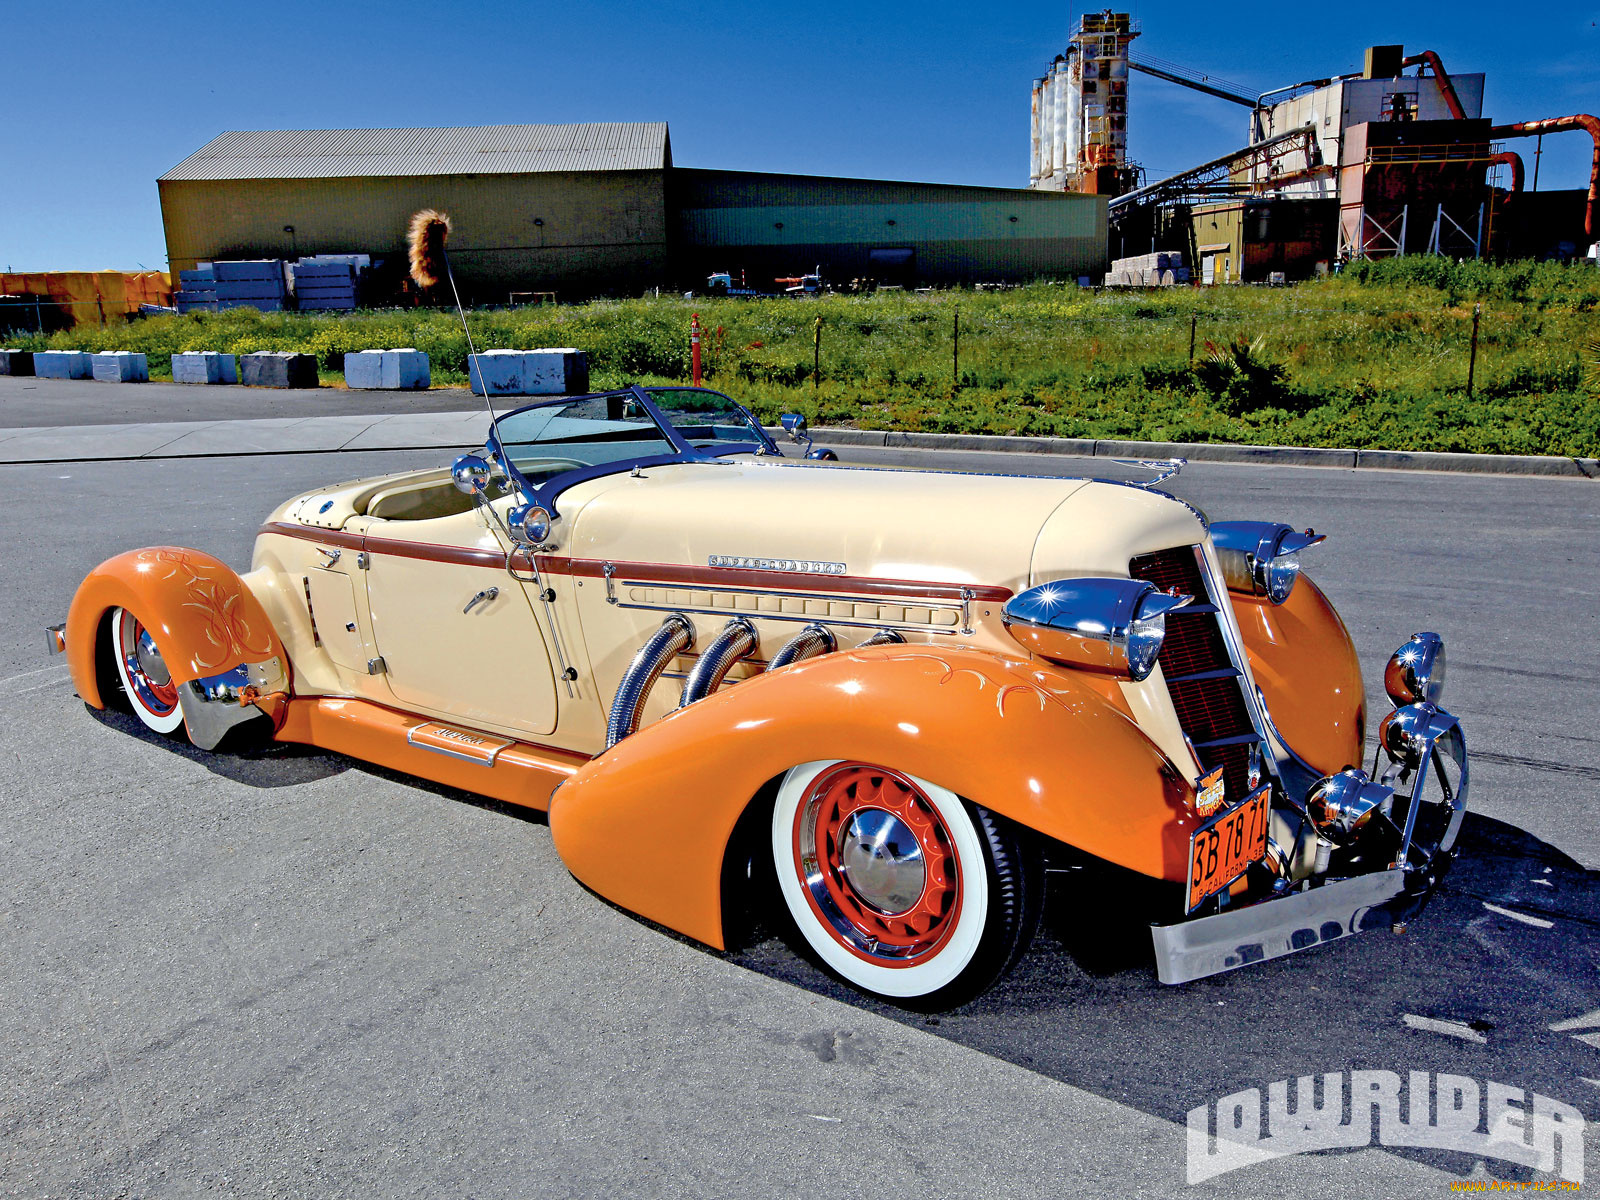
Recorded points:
(472, 150)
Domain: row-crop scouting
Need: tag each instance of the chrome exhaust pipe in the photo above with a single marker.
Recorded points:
(884, 637)
(737, 640)
(674, 637)
(808, 643)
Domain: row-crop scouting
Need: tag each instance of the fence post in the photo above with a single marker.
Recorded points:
(816, 356)
(1472, 357)
(1194, 321)
(694, 348)
(955, 346)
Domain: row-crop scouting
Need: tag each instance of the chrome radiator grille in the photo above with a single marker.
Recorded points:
(1205, 685)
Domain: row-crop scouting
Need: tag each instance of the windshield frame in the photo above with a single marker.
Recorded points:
(683, 451)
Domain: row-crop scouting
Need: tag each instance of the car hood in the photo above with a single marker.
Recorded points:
(955, 528)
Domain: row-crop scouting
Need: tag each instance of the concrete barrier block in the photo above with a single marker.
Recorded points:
(63, 364)
(204, 366)
(562, 371)
(16, 362)
(120, 366)
(406, 369)
(278, 369)
(364, 369)
(497, 372)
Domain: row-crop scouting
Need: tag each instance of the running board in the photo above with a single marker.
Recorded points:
(487, 764)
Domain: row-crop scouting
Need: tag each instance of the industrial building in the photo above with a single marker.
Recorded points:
(586, 210)
(1364, 165)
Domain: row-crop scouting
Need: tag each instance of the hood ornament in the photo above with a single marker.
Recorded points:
(1165, 468)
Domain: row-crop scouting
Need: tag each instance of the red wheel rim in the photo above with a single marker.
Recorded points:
(877, 864)
(136, 648)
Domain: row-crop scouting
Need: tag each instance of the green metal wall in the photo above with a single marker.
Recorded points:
(775, 225)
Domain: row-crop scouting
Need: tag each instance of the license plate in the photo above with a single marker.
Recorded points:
(1221, 849)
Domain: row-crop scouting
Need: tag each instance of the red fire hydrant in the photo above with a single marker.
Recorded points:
(694, 347)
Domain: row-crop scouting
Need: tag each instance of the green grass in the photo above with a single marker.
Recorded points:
(1374, 358)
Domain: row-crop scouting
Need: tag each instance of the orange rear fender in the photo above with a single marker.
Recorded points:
(200, 612)
(647, 823)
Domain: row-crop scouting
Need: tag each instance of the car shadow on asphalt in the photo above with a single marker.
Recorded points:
(290, 764)
(1496, 979)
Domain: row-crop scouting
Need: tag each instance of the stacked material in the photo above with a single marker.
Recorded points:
(16, 362)
(1160, 269)
(197, 290)
(121, 366)
(204, 366)
(63, 364)
(562, 371)
(278, 369)
(321, 285)
(256, 283)
(403, 369)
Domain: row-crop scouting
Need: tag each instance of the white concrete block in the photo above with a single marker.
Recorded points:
(63, 364)
(497, 372)
(559, 371)
(120, 366)
(204, 366)
(407, 369)
(364, 369)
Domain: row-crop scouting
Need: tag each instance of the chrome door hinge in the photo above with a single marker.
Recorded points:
(376, 666)
(363, 561)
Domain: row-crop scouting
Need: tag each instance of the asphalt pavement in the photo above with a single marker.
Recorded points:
(293, 975)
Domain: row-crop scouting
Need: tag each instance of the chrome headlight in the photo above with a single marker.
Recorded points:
(1416, 671)
(1261, 558)
(1340, 806)
(1113, 626)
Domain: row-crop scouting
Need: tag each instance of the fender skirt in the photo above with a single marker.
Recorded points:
(647, 823)
(204, 618)
(1306, 667)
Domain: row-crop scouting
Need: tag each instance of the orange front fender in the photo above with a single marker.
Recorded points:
(201, 614)
(647, 823)
(1302, 656)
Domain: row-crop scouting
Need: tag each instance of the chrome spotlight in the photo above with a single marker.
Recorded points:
(1261, 558)
(529, 524)
(1407, 733)
(1416, 671)
(1340, 805)
(1113, 626)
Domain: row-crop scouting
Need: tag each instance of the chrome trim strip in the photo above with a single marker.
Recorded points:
(1233, 640)
(493, 744)
(803, 618)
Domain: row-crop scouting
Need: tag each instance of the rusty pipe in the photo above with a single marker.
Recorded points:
(1583, 121)
(1446, 88)
(1514, 160)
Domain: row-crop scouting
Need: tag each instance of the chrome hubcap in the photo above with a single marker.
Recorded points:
(881, 859)
(148, 656)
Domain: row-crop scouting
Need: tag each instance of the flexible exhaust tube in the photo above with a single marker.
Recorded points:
(884, 637)
(808, 643)
(674, 637)
(737, 640)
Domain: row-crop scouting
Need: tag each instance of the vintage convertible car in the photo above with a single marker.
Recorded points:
(879, 700)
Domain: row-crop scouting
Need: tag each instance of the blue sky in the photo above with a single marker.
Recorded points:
(102, 98)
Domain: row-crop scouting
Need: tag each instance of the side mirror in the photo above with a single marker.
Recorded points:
(471, 474)
(794, 424)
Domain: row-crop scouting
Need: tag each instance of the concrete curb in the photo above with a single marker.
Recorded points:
(1294, 456)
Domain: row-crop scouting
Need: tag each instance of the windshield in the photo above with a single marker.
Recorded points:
(703, 417)
(550, 446)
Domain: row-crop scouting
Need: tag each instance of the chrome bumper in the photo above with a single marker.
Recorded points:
(1272, 928)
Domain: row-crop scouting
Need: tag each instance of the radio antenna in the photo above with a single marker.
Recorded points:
(430, 263)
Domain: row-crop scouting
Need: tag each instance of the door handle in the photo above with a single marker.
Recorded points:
(482, 597)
